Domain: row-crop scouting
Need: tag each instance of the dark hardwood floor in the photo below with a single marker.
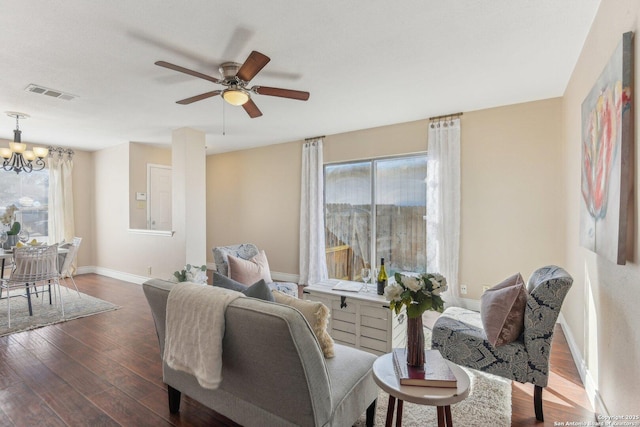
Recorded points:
(105, 370)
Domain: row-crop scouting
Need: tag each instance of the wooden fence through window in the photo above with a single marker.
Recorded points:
(401, 239)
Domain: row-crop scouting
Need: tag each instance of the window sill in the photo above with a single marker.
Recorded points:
(165, 233)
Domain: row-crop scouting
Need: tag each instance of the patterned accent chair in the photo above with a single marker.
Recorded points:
(247, 251)
(460, 337)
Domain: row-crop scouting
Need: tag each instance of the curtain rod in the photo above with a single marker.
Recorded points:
(445, 116)
(315, 137)
(60, 152)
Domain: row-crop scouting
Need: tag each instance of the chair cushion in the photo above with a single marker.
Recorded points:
(221, 254)
(459, 336)
(316, 313)
(249, 271)
(502, 310)
(258, 290)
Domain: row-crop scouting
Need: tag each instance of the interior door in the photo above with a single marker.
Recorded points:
(158, 197)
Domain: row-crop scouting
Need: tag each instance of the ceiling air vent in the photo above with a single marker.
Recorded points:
(50, 92)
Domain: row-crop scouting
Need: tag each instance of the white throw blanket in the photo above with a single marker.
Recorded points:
(194, 330)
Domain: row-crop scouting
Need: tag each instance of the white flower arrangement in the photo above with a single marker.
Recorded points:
(191, 273)
(418, 293)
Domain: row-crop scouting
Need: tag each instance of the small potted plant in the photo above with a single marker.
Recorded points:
(8, 220)
(191, 273)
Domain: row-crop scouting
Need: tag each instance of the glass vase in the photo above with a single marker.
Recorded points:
(12, 240)
(415, 342)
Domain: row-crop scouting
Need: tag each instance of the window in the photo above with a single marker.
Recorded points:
(375, 209)
(29, 192)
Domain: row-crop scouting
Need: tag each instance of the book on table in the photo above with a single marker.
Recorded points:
(434, 373)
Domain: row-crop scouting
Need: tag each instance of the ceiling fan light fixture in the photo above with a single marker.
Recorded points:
(236, 96)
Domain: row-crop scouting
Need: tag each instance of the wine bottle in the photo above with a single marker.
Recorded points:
(382, 278)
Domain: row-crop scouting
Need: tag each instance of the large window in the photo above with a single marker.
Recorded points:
(29, 192)
(375, 209)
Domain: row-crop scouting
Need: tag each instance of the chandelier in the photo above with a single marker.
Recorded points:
(17, 158)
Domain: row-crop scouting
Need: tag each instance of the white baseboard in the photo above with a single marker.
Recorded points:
(115, 274)
(284, 277)
(590, 385)
(132, 278)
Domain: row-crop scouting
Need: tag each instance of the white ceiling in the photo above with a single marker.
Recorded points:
(366, 63)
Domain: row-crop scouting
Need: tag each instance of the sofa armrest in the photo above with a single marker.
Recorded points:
(157, 291)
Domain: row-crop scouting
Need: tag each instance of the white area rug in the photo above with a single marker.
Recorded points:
(488, 405)
(44, 314)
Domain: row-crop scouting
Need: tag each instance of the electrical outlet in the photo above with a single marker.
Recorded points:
(149, 270)
(485, 288)
(463, 289)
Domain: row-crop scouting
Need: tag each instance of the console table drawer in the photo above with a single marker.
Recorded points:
(373, 322)
(373, 346)
(345, 316)
(340, 325)
(344, 337)
(382, 313)
(361, 320)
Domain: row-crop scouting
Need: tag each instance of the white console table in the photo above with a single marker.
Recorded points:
(360, 319)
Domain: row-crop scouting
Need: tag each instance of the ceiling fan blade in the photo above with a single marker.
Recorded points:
(252, 66)
(199, 97)
(186, 71)
(283, 93)
(252, 109)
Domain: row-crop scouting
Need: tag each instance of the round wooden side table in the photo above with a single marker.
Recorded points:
(440, 397)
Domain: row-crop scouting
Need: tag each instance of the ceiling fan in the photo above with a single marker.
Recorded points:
(235, 78)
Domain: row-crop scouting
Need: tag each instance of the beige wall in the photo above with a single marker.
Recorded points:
(602, 307)
(254, 196)
(511, 164)
(117, 249)
(140, 155)
(510, 167)
(83, 206)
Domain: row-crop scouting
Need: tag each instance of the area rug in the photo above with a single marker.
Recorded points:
(488, 404)
(44, 314)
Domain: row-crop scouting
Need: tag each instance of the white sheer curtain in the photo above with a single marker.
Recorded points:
(61, 222)
(443, 204)
(313, 264)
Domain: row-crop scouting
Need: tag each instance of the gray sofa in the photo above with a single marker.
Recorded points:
(274, 372)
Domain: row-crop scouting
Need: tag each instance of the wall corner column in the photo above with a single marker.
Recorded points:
(189, 193)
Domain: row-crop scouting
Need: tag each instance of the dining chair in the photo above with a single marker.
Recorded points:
(66, 269)
(33, 265)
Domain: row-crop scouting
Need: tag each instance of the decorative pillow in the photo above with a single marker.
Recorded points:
(249, 271)
(316, 313)
(258, 290)
(502, 310)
